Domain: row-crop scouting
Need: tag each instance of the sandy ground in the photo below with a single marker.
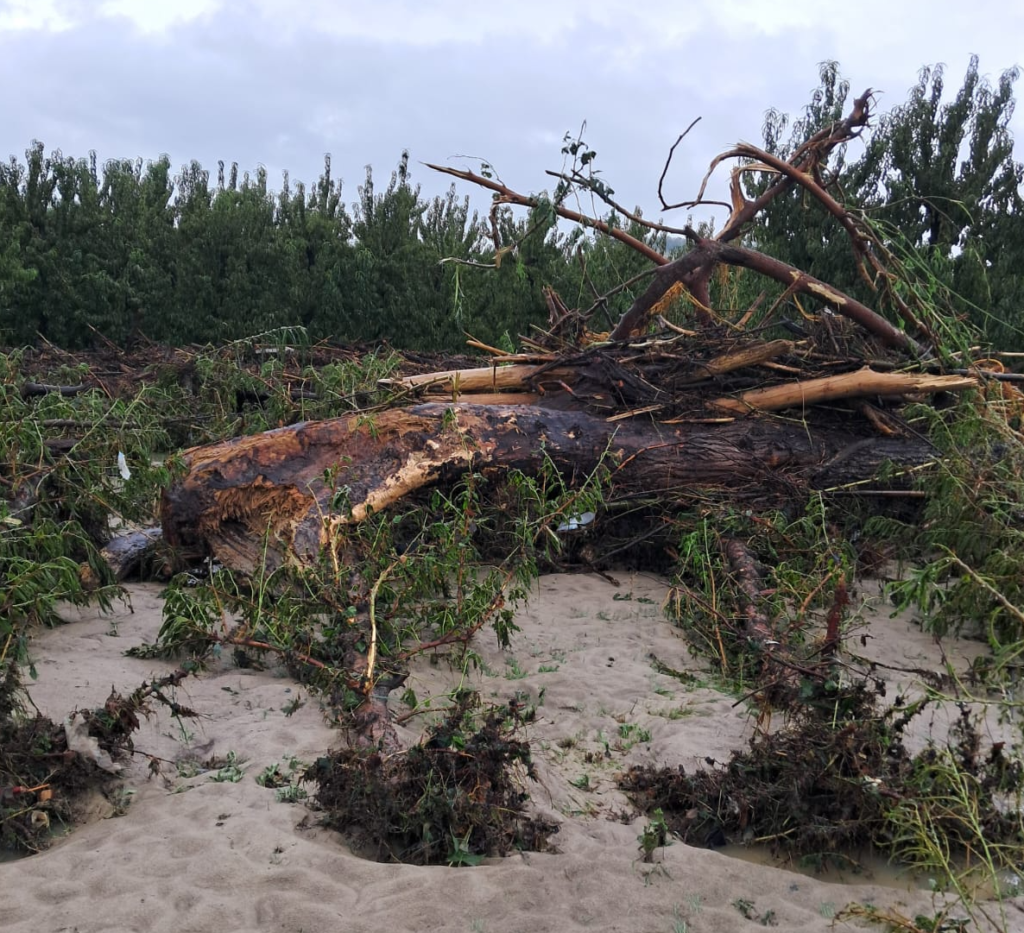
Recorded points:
(193, 854)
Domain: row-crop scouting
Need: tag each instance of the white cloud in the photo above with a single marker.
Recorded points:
(52, 15)
(283, 82)
(420, 23)
(154, 16)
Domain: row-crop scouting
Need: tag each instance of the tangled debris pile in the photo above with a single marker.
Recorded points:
(46, 767)
(340, 508)
(837, 780)
(454, 798)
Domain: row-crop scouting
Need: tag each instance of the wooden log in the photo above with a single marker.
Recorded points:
(747, 356)
(516, 376)
(295, 486)
(863, 382)
(123, 554)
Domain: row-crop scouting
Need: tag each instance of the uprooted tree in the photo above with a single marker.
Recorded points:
(720, 406)
(739, 445)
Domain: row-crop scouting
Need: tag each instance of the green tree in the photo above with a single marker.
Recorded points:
(393, 269)
(938, 174)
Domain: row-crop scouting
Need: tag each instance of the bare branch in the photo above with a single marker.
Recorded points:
(508, 196)
(708, 253)
(576, 179)
(668, 162)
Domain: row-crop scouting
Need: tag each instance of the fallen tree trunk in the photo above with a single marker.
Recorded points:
(296, 485)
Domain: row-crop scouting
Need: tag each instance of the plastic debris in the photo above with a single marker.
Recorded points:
(576, 522)
(80, 742)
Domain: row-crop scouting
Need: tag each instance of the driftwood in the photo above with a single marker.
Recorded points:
(864, 382)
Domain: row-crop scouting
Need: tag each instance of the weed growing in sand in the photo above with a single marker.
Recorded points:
(121, 799)
(653, 836)
(891, 919)
(230, 770)
(684, 711)
(631, 734)
(679, 925)
(460, 854)
(285, 778)
(749, 911)
(582, 782)
(515, 672)
(293, 793)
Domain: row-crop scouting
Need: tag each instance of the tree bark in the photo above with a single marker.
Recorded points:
(282, 495)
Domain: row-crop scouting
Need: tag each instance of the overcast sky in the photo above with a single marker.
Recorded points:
(281, 83)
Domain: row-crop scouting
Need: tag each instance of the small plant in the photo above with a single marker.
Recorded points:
(292, 793)
(673, 713)
(121, 799)
(284, 779)
(653, 836)
(515, 672)
(892, 919)
(749, 911)
(631, 734)
(459, 854)
(230, 770)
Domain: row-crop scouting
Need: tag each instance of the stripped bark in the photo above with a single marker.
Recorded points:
(276, 484)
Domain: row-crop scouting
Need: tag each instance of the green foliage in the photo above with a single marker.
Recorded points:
(970, 532)
(415, 575)
(795, 555)
(938, 170)
(654, 835)
(59, 468)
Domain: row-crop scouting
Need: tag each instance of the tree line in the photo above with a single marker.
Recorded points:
(131, 249)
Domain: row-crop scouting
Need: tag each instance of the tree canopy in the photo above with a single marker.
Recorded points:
(131, 249)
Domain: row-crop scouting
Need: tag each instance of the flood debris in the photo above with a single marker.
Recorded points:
(836, 781)
(48, 767)
(453, 798)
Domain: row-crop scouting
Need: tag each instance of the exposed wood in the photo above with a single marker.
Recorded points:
(744, 566)
(482, 379)
(274, 484)
(848, 385)
(748, 356)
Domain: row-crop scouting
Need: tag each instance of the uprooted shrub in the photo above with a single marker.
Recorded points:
(837, 780)
(46, 767)
(454, 798)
